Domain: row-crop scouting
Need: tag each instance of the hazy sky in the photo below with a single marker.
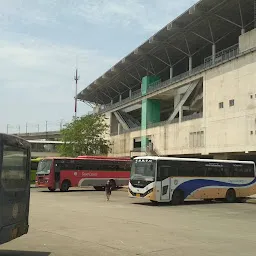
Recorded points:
(40, 40)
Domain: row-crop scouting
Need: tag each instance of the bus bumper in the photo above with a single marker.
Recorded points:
(13, 231)
(150, 194)
(42, 184)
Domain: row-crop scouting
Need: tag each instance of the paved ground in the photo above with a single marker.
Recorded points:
(83, 223)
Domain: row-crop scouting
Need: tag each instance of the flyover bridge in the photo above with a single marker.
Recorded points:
(51, 135)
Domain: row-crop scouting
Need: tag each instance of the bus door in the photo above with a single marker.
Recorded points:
(57, 167)
(164, 182)
(14, 189)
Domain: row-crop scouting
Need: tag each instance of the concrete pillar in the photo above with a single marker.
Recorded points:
(118, 128)
(130, 93)
(190, 64)
(120, 97)
(150, 111)
(171, 72)
(180, 114)
(177, 99)
(213, 53)
(111, 102)
(242, 31)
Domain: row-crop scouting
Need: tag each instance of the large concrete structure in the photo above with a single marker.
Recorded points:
(188, 90)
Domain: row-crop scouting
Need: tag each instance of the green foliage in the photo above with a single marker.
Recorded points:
(85, 136)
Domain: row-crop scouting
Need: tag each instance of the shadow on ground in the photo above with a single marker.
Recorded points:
(187, 203)
(22, 253)
(70, 191)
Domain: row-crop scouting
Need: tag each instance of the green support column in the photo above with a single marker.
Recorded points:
(150, 112)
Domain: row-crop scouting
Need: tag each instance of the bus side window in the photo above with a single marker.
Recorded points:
(163, 173)
(237, 171)
(79, 167)
(250, 171)
(247, 171)
(227, 172)
(214, 171)
(186, 169)
(200, 170)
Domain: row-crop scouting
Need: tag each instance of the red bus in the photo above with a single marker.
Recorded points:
(62, 173)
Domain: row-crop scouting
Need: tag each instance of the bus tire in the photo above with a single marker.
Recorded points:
(231, 196)
(65, 186)
(154, 202)
(177, 197)
(113, 184)
(242, 200)
(51, 189)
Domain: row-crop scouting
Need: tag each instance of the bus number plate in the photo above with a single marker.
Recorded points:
(14, 233)
(137, 195)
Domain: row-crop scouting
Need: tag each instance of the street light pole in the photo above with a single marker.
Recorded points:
(76, 78)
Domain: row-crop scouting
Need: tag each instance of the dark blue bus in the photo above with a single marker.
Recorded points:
(14, 187)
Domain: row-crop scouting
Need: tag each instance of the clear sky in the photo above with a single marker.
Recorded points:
(40, 40)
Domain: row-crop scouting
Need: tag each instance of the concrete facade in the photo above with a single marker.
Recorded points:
(228, 123)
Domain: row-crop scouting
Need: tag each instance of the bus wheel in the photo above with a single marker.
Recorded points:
(65, 186)
(231, 196)
(52, 189)
(177, 197)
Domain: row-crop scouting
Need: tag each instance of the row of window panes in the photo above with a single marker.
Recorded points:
(231, 103)
(95, 165)
(202, 169)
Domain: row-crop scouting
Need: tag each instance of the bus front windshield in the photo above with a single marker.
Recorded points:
(143, 169)
(44, 167)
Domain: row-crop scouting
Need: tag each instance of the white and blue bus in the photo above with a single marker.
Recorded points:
(167, 179)
(15, 187)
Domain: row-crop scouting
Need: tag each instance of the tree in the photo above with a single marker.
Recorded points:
(85, 136)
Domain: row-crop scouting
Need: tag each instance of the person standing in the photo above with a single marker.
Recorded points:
(108, 189)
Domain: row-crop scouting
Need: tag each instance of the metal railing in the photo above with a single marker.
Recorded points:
(221, 57)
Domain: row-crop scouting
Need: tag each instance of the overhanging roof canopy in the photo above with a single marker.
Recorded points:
(193, 33)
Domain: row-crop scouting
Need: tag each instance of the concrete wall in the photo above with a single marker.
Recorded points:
(228, 129)
(231, 128)
(167, 139)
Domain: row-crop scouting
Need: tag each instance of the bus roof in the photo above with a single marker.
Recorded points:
(14, 139)
(37, 159)
(193, 159)
(104, 157)
(57, 157)
(88, 158)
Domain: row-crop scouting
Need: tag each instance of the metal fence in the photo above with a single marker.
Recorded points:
(29, 127)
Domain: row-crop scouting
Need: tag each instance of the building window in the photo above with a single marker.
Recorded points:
(221, 105)
(251, 132)
(231, 103)
(196, 139)
(251, 96)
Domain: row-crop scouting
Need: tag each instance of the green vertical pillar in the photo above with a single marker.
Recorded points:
(150, 111)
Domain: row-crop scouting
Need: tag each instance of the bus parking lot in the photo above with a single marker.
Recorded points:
(81, 222)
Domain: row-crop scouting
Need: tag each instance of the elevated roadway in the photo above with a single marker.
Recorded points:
(51, 135)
